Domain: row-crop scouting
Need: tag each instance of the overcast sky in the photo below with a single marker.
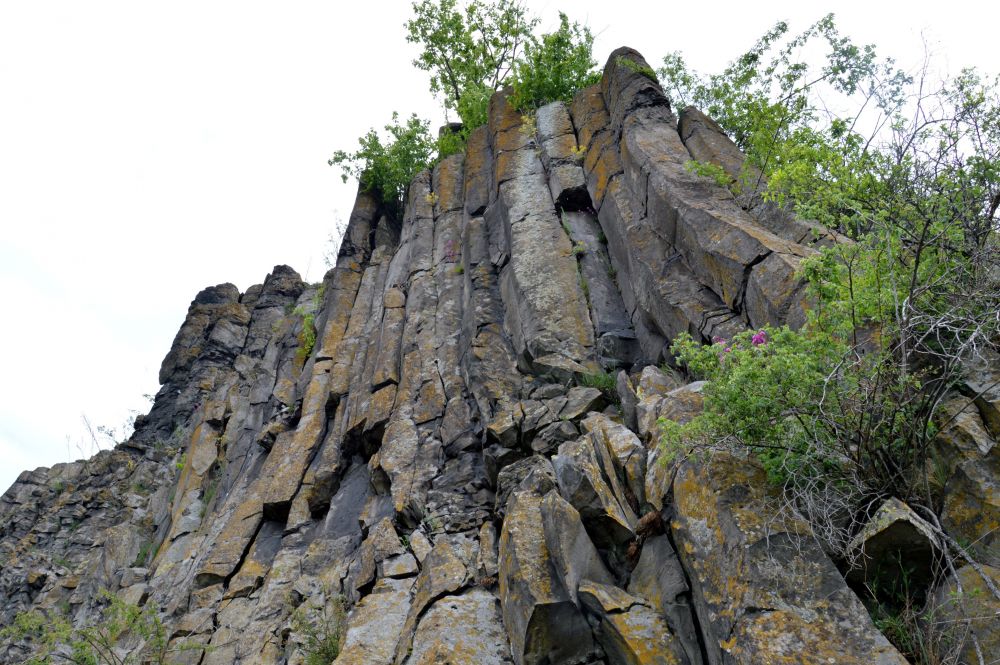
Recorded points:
(150, 149)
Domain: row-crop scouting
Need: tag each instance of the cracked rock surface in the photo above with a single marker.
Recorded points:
(437, 460)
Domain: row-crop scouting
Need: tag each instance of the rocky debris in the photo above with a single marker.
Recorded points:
(680, 405)
(415, 436)
(532, 474)
(763, 589)
(588, 481)
(572, 553)
(627, 453)
(661, 395)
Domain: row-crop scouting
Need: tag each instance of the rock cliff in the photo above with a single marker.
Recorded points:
(417, 438)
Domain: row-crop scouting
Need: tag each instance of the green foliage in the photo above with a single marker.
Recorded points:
(764, 391)
(469, 51)
(767, 93)
(554, 66)
(713, 172)
(142, 557)
(459, 269)
(181, 462)
(307, 338)
(451, 142)
(606, 382)
(387, 165)
(53, 636)
(585, 287)
(634, 66)
(321, 630)
(211, 489)
(896, 311)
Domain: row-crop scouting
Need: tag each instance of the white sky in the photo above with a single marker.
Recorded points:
(150, 149)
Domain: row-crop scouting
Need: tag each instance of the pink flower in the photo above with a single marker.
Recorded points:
(759, 339)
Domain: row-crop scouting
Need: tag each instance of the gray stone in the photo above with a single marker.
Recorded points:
(630, 632)
(895, 542)
(533, 474)
(380, 614)
(461, 630)
(572, 553)
(542, 621)
(659, 579)
(757, 572)
(583, 482)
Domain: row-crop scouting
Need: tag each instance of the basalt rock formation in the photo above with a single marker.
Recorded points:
(416, 439)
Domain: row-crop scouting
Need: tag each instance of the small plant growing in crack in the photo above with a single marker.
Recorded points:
(321, 630)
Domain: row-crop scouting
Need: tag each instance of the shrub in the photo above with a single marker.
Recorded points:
(386, 166)
(307, 338)
(841, 412)
(606, 382)
(554, 66)
(53, 635)
(321, 631)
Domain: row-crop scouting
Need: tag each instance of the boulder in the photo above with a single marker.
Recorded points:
(627, 452)
(965, 608)
(764, 590)
(543, 623)
(896, 542)
(532, 474)
(380, 614)
(660, 580)
(572, 553)
(631, 632)
(967, 460)
(587, 480)
(461, 629)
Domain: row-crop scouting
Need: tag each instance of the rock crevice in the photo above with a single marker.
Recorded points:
(436, 456)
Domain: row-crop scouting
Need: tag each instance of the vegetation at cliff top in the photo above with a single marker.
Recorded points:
(470, 51)
(843, 412)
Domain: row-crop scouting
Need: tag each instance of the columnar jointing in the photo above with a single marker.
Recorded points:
(415, 435)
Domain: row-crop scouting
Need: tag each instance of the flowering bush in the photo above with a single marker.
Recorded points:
(765, 390)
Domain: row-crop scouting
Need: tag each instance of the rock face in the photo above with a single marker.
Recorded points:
(414, 438)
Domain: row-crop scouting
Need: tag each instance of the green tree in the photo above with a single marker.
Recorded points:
(555, 66)
(470, 52)
(387, 165)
